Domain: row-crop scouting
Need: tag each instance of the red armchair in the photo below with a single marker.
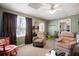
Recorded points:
(6, 49)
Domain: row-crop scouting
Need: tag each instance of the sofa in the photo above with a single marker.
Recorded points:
(39, 40)
(6, 49)
(66, 41)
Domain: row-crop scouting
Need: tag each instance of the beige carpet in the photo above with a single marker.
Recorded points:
(29, 50)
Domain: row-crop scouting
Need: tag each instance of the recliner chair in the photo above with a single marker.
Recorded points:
(39, 40)
(66, 41)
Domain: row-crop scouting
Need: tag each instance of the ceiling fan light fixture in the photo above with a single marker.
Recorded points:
(35, 5)
(52, 11)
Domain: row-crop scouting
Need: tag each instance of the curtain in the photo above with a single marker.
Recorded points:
(28, 37)
(9, 26)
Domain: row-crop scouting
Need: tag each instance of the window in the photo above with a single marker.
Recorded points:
(42, 27)
(21, 26)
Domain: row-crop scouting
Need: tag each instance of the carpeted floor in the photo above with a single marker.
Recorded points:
(30, 50)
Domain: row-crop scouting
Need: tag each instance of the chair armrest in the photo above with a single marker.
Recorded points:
(3, 46)
(34, 38)
(43, 38)
(59, 39)
(73, 43)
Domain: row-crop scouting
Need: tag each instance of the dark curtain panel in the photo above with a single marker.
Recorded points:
(28, 37)
(9, 26)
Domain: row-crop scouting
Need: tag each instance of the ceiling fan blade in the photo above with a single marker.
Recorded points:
(56, 6)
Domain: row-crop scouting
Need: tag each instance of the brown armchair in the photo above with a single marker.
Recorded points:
(66, 41)
(39, 40)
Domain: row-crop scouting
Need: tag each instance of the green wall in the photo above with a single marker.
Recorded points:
(54, 24)
(74, 23)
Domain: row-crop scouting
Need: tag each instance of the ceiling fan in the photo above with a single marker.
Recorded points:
(54, 8)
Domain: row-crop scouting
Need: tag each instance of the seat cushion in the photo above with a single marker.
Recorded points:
(12, 46)
(66, 39)
(8, 47)
(64, 45)
(39, 40)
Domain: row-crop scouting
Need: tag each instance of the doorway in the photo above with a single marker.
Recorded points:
(64, 25)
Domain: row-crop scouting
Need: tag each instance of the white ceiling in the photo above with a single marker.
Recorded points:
(68, 9)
